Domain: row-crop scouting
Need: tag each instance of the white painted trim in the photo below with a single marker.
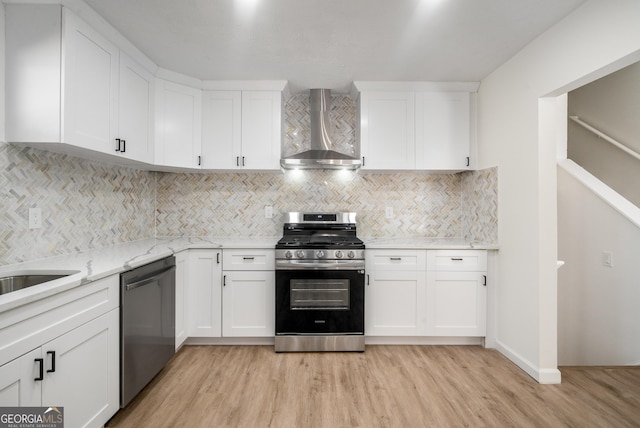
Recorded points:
(264, 341)
(179, 78)
(245, 85)
(604, 192)
(544, 376)
(416, 340)
(360, 86)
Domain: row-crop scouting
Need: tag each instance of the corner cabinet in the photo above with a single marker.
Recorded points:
(84, 94)
(63, 350)
(456, 292)
(242, 130)
(248, 293)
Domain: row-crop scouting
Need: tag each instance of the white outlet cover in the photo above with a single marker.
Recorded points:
(35, 218)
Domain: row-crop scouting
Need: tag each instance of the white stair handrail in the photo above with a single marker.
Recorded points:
(605, 137)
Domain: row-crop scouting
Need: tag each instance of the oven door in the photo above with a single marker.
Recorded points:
(319, 302)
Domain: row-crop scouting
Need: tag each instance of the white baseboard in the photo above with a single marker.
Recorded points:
(544, 376)
(416, 340)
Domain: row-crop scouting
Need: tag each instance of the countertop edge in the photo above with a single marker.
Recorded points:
(113, 260)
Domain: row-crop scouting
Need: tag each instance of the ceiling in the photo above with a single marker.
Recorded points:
(330, 43)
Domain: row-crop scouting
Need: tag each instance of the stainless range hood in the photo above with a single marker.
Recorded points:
(321, 154)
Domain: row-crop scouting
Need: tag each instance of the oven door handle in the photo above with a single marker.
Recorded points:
(319, 264)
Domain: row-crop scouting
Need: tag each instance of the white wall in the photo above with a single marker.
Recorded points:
(598, 305)
(612, 105)
(599, 37)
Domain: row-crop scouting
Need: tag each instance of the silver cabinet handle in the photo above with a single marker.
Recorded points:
(148, 281)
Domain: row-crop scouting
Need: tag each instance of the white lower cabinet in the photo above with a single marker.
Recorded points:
(395, 293)
(181, 322)
(248, 293)
(426, 293)
(76, 366)
(248, 304)
(204, 294)
(456, 293)
(238, 301)
(87, 364)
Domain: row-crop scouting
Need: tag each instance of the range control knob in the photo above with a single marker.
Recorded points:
(300, 254)
(319, 254)
(351, 254)
(339, 254)
(288, 254)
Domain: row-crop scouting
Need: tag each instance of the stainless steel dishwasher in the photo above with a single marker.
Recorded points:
(147, 324)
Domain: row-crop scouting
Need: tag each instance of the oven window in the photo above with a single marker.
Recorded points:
(315, 294)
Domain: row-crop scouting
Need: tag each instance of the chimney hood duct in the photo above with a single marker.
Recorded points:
(321, 155)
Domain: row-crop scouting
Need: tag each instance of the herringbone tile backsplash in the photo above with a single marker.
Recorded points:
(87, 204)
(424, 205)
(84, 204)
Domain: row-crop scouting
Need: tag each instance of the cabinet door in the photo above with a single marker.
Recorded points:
(18, 386)
(135, 109)
(442, 130)
(221, 127)
(204, 294)
(90, 87)
(248, 307)
(387, 130)
(456, 303)
(178, 125)
(82, 372)
(181, 295)
(261, 130)
(395, 303)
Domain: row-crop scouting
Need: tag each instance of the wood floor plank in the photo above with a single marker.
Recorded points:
(386, 386)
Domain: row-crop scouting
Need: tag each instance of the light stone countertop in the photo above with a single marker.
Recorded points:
(425, 244)
(100, 263)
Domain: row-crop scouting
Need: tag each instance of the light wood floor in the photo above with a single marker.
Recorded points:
(386, 386)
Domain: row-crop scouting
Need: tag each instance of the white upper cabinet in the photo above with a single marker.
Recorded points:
(241, 130)
(91, 69)
(68, 84)
(178, 125)
(261, 130)
(415, 125)
(387, 130)
(221, 131)
(442, 130)
(136, 110)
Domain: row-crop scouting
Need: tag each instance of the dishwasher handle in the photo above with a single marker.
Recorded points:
(149, 280)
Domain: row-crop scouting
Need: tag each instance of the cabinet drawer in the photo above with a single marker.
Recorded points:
(457, 260)
(29, 326)
(250, 259)
(395, 259)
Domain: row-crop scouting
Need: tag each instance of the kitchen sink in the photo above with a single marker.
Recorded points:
(25, 279)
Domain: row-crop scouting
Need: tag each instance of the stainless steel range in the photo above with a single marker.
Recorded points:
(319, 284)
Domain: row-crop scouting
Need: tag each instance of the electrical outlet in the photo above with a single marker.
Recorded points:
(35, 218)
(268, 211)
(388, 212)
(607, 259)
